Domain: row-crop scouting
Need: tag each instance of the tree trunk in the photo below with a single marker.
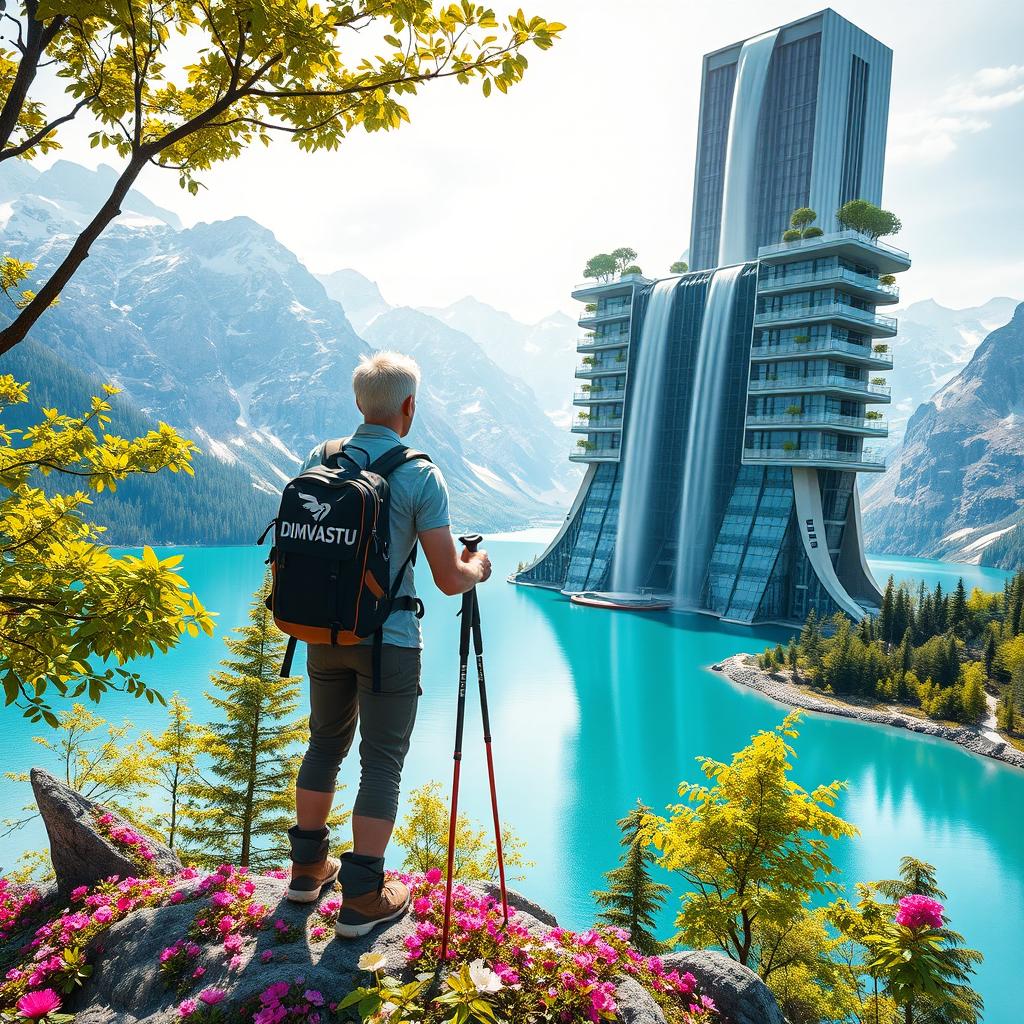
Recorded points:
(25, 320)
(37, 37)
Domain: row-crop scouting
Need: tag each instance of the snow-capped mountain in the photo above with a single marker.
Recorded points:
(955, 490)
(222, 332)
(543, 354)
(933, 345)
(360, 297)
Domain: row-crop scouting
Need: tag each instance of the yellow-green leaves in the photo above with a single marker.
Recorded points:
(752, 846)
(72, 613)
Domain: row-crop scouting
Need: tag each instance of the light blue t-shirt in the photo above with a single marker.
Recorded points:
(419, 502)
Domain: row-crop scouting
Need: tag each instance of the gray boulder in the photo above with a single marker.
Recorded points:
(740, 995)
(81, 855)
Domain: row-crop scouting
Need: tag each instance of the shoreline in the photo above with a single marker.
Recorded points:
(743, 670)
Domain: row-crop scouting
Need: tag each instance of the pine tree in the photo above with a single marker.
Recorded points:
(242, 814)
(633, 898)
(902, 616)
(941, 609)
(972, 697)
(990, 652)
(1006, 713)
(958, 610)
(174, 753)
(885, 618)
(958, 1003)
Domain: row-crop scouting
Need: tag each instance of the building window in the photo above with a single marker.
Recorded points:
(856, 115)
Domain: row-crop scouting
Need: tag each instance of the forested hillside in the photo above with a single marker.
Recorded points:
(219, 505)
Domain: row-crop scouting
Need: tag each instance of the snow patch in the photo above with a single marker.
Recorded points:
(976, 547)
(491, 479)
(280, 473)
(958, 535)
(274, 441)
(470, 409)
(6, 212)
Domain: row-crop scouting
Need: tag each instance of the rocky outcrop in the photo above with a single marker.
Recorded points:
(957, 483)
(291, 945)
(742, 669)
(80, 851)
(740, 995)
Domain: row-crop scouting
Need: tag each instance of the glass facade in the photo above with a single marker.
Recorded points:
(786, 139)
(856, 118)
(710, 177)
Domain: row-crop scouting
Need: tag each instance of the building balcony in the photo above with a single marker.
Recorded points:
(606, 315)
(602, 342)
(810, 420)
(868, 461)
(846, 351)
(599, 397)
(858, 248)
(600, 425)
(875, 324)
(608, 368)
(827, 383)
(595, 454)
(590, 291)
(866, 287)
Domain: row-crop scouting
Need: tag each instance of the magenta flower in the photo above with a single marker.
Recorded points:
(434, 876)
(186, 1008)
(919, 912)
(266, 956)
(36, 1005)
(80, 892)
(102, 915)
(212, 996)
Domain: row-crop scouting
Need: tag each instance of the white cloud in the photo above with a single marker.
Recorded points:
(931, 135)
(987, 89)
(927, 137)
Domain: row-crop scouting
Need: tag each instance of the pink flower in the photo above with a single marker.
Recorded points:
(422, 905)
(233, 942)
(80, 892)
(311, 995)
(919, 912)
(176, 897)
(106, 819)
(602, 1002)
(187, 1007)
(266, 956)
(222, 898)
(35, 1005)
(318, 932)
(198, 973)
(146, 853)
(124, 904)
(102, 915)
(212, 996)
(433, 876)
(235, 963)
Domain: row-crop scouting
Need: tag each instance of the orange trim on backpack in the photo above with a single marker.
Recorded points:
(317, 634)
(373, 585)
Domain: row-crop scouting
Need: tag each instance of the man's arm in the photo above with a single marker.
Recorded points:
(453, 573)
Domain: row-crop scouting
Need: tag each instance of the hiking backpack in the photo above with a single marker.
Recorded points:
(331, 558)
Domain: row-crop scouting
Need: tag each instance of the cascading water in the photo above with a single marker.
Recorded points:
(704, 438)
(737, 243)
(736, 239)
(629, 569)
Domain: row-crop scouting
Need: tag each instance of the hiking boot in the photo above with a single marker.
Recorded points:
(312, 869)
(367, 897)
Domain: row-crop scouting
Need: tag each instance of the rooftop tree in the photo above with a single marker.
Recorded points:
(601, 267)
(186, 85)
(868, 219)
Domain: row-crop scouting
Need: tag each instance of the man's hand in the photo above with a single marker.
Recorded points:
(478, 561)
(453, 573)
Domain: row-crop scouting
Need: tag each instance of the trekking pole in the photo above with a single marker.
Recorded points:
(478, 647)
(460, 717)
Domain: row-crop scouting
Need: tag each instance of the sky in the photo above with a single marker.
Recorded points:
(505, 198)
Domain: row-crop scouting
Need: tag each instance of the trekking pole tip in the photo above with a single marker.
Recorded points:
(471, 541)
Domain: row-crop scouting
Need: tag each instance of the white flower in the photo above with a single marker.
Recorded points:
(372, 962)
(387, 1009)
(484, 978)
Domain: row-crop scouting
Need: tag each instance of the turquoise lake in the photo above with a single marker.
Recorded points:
(591, 710)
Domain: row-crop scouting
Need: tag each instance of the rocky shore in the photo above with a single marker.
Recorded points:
(744, 670)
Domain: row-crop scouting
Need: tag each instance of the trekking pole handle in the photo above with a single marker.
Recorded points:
(471, 541)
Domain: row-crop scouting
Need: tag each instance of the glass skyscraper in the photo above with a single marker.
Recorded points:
(723, 414)
(820, 137)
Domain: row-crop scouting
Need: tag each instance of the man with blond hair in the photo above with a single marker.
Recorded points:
(341, 688)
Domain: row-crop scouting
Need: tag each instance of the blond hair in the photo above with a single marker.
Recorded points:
(383, 381)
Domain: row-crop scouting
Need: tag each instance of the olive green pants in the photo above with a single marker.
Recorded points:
(340, 697)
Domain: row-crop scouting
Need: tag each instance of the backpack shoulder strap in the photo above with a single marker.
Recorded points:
(334, 451)
(395, 457)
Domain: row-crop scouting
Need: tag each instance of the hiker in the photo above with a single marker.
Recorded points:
(343, 691)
